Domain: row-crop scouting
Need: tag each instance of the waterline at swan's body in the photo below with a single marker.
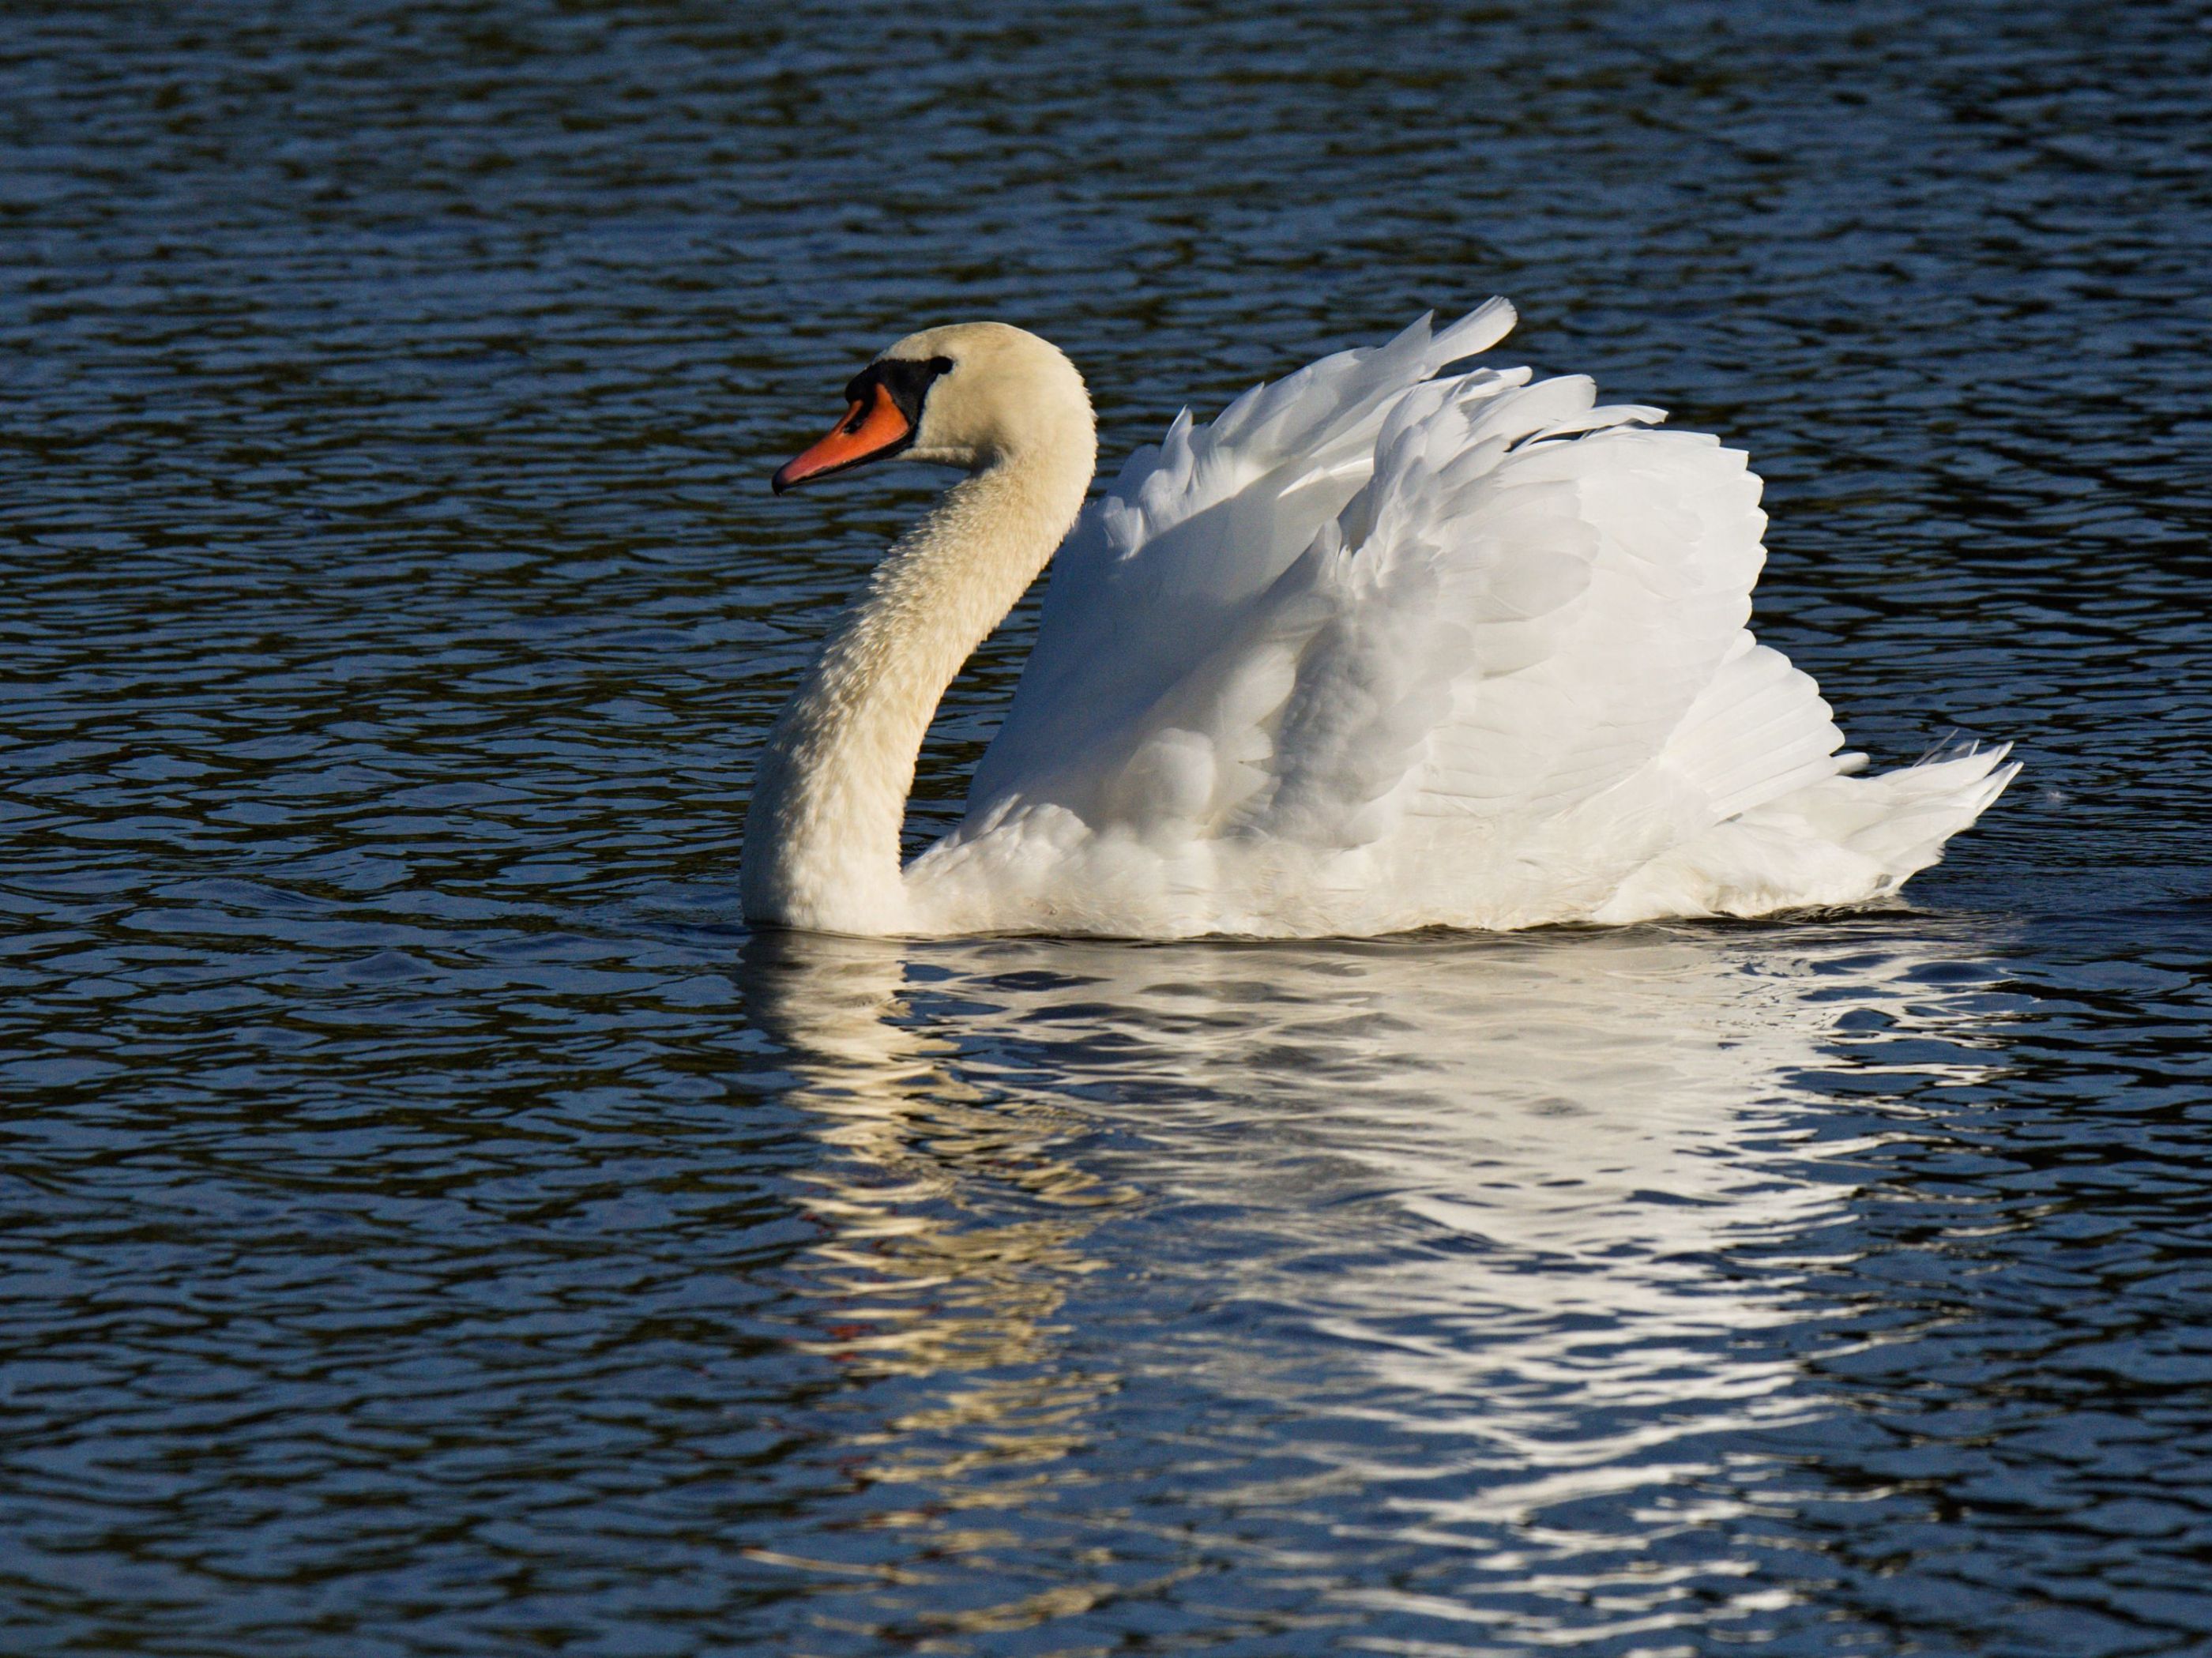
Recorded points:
(1374, 651)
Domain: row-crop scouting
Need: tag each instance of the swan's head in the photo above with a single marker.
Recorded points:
(970, 395)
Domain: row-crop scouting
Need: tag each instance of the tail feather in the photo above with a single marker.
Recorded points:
(1842, 839)
(1901, 819)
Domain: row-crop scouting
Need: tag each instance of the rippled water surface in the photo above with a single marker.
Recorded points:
(432, 1225)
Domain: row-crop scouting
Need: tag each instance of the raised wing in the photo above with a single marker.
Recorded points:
(1189, 536)
(1545, 598)
(1474, 644)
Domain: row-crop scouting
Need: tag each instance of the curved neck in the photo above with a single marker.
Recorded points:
(821, 833)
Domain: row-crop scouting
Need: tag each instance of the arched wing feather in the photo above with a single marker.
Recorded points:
(1190, 534)
(1472, 648)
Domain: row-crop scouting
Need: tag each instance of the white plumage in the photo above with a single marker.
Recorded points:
(1378, 651)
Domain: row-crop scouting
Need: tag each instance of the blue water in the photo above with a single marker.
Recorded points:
(432, 1225)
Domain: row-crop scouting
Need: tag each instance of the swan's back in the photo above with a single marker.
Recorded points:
(1376, 651)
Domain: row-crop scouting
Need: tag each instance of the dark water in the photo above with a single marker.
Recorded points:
(432, 1225)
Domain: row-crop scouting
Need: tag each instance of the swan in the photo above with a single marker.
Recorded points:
(1380, 648)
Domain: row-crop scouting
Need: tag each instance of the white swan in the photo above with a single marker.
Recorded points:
(1375, 651)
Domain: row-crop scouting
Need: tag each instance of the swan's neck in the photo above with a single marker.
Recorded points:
(821, 833)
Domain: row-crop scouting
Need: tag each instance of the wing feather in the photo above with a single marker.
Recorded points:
(1473, 644)
(1189, 534)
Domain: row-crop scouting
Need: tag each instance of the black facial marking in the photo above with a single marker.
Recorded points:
(905, 379)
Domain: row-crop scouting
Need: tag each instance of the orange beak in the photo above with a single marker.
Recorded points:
(871, 428)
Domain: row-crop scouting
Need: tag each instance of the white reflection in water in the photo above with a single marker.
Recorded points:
(1471, 1213)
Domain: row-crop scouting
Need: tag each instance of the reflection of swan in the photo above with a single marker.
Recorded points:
(927, 1279)
(1591, 1114)
(1440, 1239)
(1373, 651)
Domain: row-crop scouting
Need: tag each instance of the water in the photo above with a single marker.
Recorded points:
(432, 1225)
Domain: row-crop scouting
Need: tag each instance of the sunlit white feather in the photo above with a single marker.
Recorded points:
(1378, 651)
